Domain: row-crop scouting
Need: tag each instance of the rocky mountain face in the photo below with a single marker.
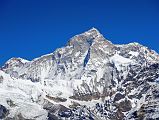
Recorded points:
(88, 79)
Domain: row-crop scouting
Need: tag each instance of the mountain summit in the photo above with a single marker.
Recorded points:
(90, 36)
(89, 79)
(93, 31)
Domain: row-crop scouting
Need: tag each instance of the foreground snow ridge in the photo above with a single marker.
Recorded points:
(89, 79)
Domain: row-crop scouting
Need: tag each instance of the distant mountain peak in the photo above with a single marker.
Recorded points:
(89, 76)
(93, 31)
(89, 36)
(14, 59)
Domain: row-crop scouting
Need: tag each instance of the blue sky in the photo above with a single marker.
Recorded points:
(31, 28)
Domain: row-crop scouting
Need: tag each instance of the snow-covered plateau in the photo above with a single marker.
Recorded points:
(89, 79)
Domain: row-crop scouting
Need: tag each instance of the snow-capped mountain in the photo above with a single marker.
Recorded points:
(89, 79)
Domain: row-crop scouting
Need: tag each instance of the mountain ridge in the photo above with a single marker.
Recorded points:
(89, 31)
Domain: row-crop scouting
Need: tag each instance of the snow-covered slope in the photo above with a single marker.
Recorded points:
(89, 78)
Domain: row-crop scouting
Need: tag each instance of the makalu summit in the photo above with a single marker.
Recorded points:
(88, 79)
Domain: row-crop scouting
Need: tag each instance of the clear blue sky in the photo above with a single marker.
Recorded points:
(31, 28)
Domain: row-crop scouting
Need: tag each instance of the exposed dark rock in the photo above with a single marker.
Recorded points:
(11, 103)
(56, 99)
(124, 106)
(86, 97)
(1, 79)
(52, 117)
(119, 115)
(74, 105)
(118, 97)
(3, 112)
(54, 111)
(54, 108)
